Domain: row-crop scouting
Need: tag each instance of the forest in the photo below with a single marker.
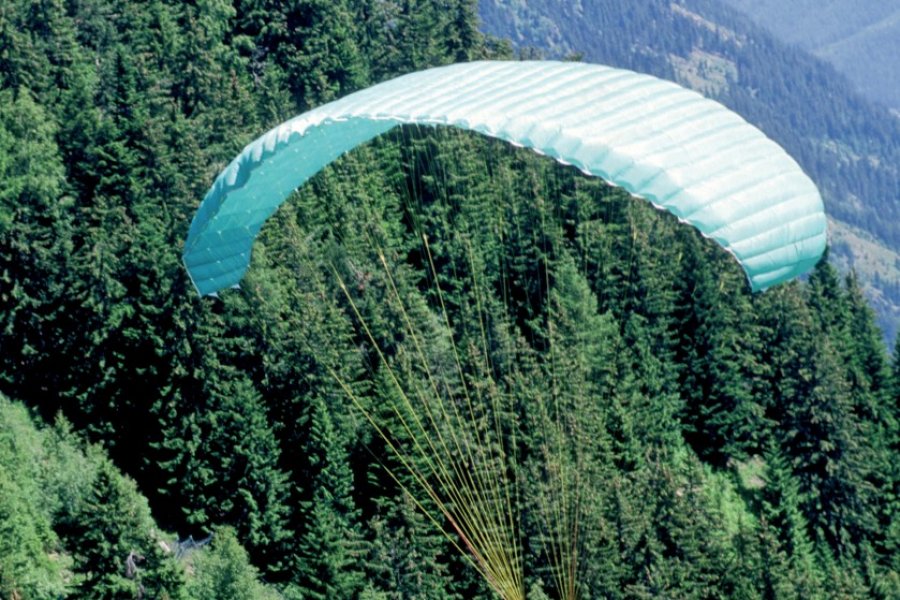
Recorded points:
(796, 99)
(857, 40)
(155, 444)
(848, 145)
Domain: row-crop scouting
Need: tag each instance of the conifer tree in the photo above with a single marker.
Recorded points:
(464, 41)
(868, 368)
(26, 543)
(820, 439)
(407, 555)
(868, 374)
(31, 562)
(221, 460)
(717, 357)
(331, 549)
(101, 298)
(786, 532)
(645, 390)
(826, 298)
(223, 570)
(312, 41)
(22, 64)
(115, 547)
(35, 242)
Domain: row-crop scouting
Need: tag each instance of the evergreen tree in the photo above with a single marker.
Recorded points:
(820, 439)
(407, 556)
(787, 534)
(222, 465)
(717, 358)
(35, 242)
(312, 41)
(224, 571)
(465, 41)
(31, 562)
(868, 369)
(331, 549)
(116, 550)
(26, 544)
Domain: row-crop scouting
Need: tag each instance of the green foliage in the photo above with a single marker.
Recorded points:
(236, 474)
(711, 443)
(35, 239)
(116, 551)
(72, 524)
(31, 562)
(405, 559)
(802, 103)
(223, 570)
(331, 549)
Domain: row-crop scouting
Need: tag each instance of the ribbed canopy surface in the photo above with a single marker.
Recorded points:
(671, 146)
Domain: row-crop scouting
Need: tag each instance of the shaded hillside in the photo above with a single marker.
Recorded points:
(861, 39)
(724, 444)
(850, 147)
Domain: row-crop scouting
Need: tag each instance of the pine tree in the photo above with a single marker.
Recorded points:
(869, 373)
(786, 533)
(407, 554)
(31, 562)
(717, 357)
(221, 460)
(574, 454)
(821, 440)
(117, 552)
(101, 293)
(331, 549)
(826, 298)
(645, 390)
(869, 378)
(224, 571)
(35, 242)
(22, 63)
(312, 41)
(464, 41)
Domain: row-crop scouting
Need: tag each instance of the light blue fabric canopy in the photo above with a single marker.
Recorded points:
(671, 146)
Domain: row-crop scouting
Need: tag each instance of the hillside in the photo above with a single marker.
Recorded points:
(861, 39)
(72, 525)
(850, 147)
(434, 306)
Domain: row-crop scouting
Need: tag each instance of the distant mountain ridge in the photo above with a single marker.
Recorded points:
(861, 39)
(849, 146)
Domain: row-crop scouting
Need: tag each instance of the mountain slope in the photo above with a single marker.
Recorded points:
(73, 526)
(861, 39)
(728, 445)
(850, 147)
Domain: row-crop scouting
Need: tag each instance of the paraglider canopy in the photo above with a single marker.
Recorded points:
(678, 150)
